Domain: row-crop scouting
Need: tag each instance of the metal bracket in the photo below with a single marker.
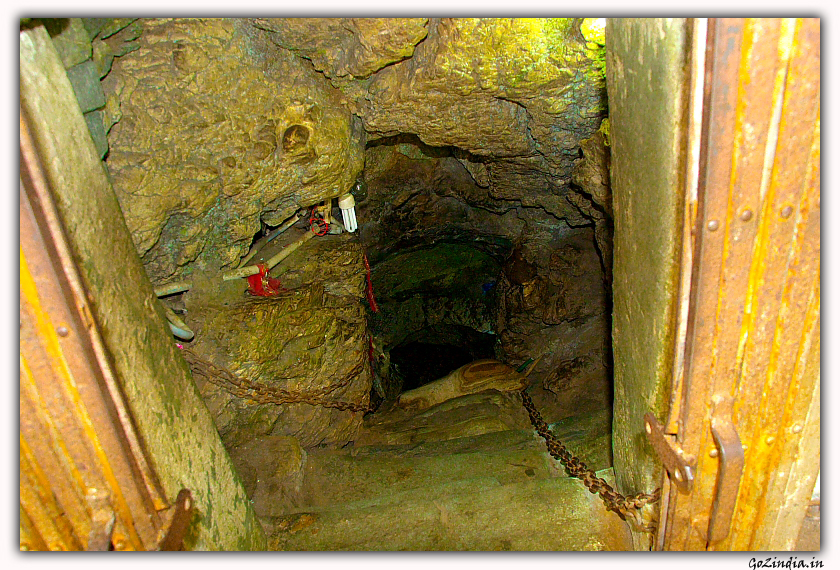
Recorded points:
(176, 522)
(102, 520)
(679, 465)
(731, 454)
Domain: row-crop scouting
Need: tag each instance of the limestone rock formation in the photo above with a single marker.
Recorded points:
(515, 95)
(296, 354)
(592, 176)
(220, 130)
(552, 302)
(347, 47)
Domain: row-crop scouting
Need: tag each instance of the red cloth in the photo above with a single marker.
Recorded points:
(262, 285)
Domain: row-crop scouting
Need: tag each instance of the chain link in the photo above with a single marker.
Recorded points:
(263, 394)
(625, 506)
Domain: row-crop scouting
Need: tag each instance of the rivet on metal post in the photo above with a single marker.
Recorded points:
(713, 225)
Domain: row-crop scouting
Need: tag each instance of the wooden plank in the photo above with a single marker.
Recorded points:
(647, 120)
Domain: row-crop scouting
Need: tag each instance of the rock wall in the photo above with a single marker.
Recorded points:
(87, 48)
(220, 131)
(226, 125)
(545, 284)
(449, 131)
(553, 304)
(347, 48)
(515, 95)
(295, 355)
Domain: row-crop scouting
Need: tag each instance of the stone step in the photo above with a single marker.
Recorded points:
(509, 457)
(330, 478)
(478, 514)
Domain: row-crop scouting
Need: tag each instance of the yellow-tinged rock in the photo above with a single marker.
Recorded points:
(469, 379)
(594, 30)
(219, 130)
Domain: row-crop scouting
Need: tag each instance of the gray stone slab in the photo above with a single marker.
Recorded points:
(172, 420)
(96, 126)
(70, 38)
(85, 81)
(647, 75)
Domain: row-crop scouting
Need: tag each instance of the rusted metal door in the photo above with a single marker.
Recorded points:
(85, 483)
(745, 412)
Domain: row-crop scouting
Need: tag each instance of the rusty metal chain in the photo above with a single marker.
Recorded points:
(262, 394)
(625, 506)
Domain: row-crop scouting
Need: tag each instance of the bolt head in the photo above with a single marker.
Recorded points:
(713, 225)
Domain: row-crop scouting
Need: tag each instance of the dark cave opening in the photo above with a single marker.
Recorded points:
(438, 352)
(448, 249)
(437, 307)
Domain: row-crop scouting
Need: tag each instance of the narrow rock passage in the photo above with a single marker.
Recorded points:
(468, 474)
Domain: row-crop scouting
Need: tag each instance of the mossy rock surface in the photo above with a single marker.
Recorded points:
(197, 158)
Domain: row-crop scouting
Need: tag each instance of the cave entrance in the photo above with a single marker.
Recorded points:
(434, 352)
(437, 308)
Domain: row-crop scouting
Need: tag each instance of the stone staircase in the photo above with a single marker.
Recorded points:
(399, 488)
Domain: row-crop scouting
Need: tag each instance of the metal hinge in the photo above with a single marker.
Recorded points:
(680, 466)
(176, 521)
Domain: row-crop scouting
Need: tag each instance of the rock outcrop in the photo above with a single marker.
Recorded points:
(300, 359)
(220, 131)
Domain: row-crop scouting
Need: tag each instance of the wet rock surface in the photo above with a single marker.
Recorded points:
(223, 124)
(493, 489)
(553, 303)
(479, 514)
(445, 252)
(344, 48)
(307, 345)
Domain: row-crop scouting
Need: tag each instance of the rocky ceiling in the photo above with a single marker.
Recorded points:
(220, 125)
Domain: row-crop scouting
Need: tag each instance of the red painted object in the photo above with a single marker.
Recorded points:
(371, 300)
(317, 223)
(263, 285)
